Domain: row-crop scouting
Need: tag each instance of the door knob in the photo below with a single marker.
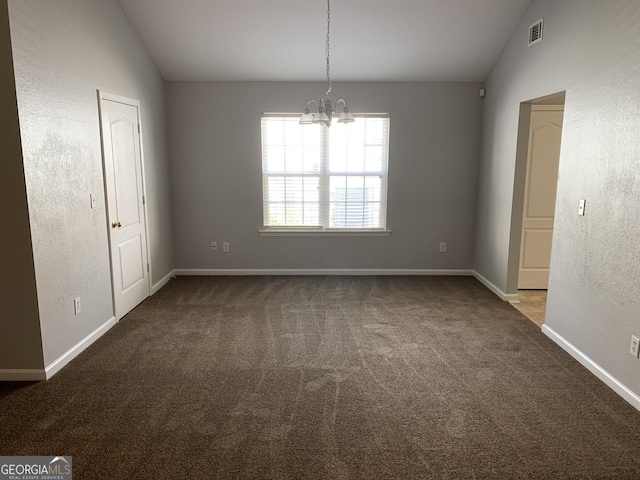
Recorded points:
(116, 224)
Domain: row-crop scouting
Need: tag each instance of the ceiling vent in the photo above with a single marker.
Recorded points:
(535, 32)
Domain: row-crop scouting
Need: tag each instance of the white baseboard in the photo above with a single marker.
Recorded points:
(163, 281)
(22, 375)
(329, 271)
(593, 367)
(72, 353)
(507, 297)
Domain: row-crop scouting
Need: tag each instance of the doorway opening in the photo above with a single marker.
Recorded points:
(534, 202)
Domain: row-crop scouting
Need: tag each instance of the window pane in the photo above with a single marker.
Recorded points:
(374, 158)
(276, 214)
(294, 214)
(375, 131)
(347, 200)
(355, 201)
(337, 158)
(312, 189)
(293, 158)
(311, 159)
(312, 214)
(294, 201)
(373, 218)
(346, 148)
(346, 215)
(292, 132)
(373, 186)
(275, 159)
(275, 187)
(355, 189)
(355, 157)
(311, 138)
(275, 133)
(293, 189)
(337, 187)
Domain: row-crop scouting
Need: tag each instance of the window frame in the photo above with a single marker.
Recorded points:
(325, 176)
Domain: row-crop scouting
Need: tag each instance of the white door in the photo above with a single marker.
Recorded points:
(545, 136)
(125, 202)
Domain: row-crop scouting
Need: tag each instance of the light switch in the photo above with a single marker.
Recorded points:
(93, 200)
(581, 207)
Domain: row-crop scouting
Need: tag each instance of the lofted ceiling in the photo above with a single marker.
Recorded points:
(284, 40)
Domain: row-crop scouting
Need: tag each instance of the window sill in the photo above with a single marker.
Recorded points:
(291, 232)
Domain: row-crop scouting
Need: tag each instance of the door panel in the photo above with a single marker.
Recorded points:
(125, 206)
(544, 170)
(132, 264)
(545, 136)
(537, 249)
(123, 135)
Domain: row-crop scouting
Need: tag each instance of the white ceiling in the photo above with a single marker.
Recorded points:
(283, 40)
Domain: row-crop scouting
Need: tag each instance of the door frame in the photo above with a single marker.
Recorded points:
(519, 182)
(107, 96)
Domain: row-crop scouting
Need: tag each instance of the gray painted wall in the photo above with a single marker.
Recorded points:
(591, 49)
(21, 348)
(64, 50)
(215, 148)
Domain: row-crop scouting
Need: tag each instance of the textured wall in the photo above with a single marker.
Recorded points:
(591, 49)
(64, 50)
(20, 343)
(217, 175)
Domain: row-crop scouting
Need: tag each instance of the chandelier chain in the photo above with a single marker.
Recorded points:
(328, 47)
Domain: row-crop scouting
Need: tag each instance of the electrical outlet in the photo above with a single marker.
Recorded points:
(635, 346)
(76, 306)
(225, 247)
(443, 247)
(214, 246)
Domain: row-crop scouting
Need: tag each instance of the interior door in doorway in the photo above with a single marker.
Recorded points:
(545, 135)
(125, 202)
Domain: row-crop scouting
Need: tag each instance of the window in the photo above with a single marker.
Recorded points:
(321, 179)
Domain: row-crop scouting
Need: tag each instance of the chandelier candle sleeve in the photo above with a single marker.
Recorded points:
(324, 108)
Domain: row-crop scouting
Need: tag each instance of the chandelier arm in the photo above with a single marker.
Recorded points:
(344, 102)
(312, 101)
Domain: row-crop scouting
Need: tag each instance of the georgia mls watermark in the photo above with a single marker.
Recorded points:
(36, 468)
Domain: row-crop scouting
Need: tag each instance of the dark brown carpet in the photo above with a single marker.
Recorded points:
(324, 378)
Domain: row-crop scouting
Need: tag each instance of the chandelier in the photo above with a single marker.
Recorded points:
(325, 110)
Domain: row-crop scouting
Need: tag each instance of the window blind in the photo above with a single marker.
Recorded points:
(316, 177)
